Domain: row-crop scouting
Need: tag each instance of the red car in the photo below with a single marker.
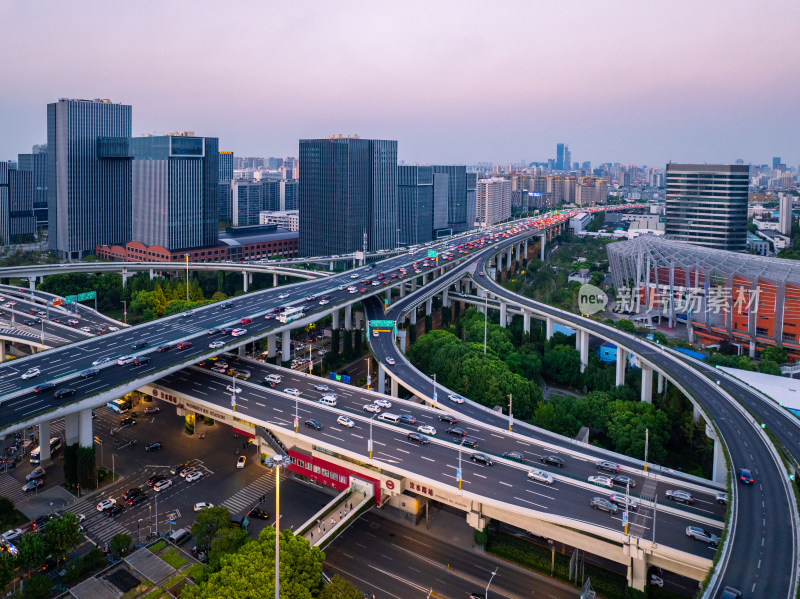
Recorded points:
(246, 320)
(184, 345)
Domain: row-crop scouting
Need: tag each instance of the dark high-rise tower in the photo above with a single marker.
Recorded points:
(348, 188)
(415, 204)
(36, 163)
(88, 196)
(559, 166)
(706, 204)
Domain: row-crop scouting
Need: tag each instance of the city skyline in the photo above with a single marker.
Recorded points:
(464, 93)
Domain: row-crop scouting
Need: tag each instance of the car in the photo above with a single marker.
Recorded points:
(258, 514)
(455, 398)
(185, 470)
(408, 419)
(456, 430)
(177, 468)
(241, 462)
(30, 373)
(382, 403)
(447, 418)
(131, 492)
(427, 429)
(184, 345)
(345, 421)
(418, 438)
(84, 329)
(730, 593)
(216, 344)
(102, 360)
(481, 458)
(722, 498)
(702, 535)
(238, 332)
(374, 333)
(194, 475)
(623, 481)
(142, 360)
(601, 503)
(64, 392)
(164, 347)
(283, 296)
(106, 503)
(188, 313)
(137, 499)
(201, 505)
(469, 442)
(139, 344)
(43, 387)
(164, 483)
(233, 389)
(322, 387)
(113, 329)
(540, 476)
(323, 302)
(72, 322)
(12, 534)
(622, 500)
(123, 360)
(604, 481)
(39, 523)
(155, 446)
(311, 423)
(607, 466)
(245, 320)
(35, 473)
(745, 476)
(552, 460)
(226, 306)
(390, 361)
(115, 511)
(292, 391)
(154, 479)
(152, 410)
(514, 455)
(127, 421)
(476, 596)
(680, 496)
(480, 273)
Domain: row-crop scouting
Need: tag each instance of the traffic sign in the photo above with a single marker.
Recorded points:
(57, 302)
(86, 296)
(70, 299)
(431, 253)
(624, 518)
(458, 473)
(381, 324)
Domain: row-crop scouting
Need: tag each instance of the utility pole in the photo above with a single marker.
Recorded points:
(510, 416)
(646, 443)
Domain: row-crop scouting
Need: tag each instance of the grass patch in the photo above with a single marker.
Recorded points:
(154, 594)
(194, 570)
(173, 559)
(143, 586)
(175, 580)
(158, 546)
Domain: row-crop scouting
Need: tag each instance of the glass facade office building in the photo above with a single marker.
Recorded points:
(415, 204)
(17, 223)
(88, 197)
(348, 195)
(36, 163)
(706, 205)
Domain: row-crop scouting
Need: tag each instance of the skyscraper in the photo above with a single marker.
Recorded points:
(246, 202)
(559, 165)
(415, 204)
(493, 200)
(776, 161)
(348, 195)
(224, 191)
(174, 196)
(17, 223)
(460, 204)
(279, 194)
(706, 204)
(88, 196)
(785, 215)
(36, 163)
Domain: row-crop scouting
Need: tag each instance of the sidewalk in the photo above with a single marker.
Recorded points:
(46, 502)
(336, 515)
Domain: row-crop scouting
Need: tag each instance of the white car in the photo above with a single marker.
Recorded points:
(86, 329)
(106, 503)
(202, 505)
(322, 387)
(383, 403)
(455, 398)
(353, 276)
(427, 429)
(30, 373)
(216, 344)
(292, 391)
(345, 421)
(188, 313)
(193, 476)
(390, 361)
(375, 283)
(341, 287)
(353, 290)
(604, 481)
(542, 477)
(125, 360)
(283, 296)
(237, 332)
(371, 407)
(12, 534)
(241, 462)
(323, 302)
(232, 389)
(113, 328)
(99, 361)
(162, 484)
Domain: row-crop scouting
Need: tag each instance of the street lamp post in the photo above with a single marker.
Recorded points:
(458, 472)
(124, 312)
(277, 462)
(489, 583)
(510, 415)
(646, 443)
(369, 445)
(296, 412)
(434, 390)
(187, 277)
(369, 363)
(485, 318)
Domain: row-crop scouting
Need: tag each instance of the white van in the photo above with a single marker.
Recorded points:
(180, 536)
(388, 417)
(327, 400)
(273, 378)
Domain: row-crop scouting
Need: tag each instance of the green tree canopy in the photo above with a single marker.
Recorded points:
(339, 588)
(208, 523)
(62, 534)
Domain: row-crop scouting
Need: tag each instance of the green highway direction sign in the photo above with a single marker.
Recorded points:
(70, 299)
(431, 253)
(381, 324)
(86, 296)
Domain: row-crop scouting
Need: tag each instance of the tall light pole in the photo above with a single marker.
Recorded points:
(296, 412)
(510, 416)
(277, 462)
(458, 472)
(369, 445)
(646, 443)
(627, 502)
(485, 318)
(490, 582)
(434, 390)
(124, 312)
(187, 277)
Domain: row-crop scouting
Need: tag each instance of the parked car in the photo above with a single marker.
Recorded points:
(154, 446)
(241, 462)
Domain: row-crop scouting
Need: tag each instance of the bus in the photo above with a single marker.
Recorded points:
(55, 445)
(118, 405)
(291, 314)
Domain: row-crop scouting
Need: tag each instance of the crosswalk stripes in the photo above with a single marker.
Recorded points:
(247, 497)
(10, 487)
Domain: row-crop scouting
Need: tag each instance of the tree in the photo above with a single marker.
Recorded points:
(227, 541)
(62, 534)
(86, 467)
(339, 588)
(33, 550)
(6, 509)
(119, 545)
(775, 354)
(38, 586)
(71, 464)
(562, 364)
(208, 523)
(7, 568)
(625, 325)
(769, 367)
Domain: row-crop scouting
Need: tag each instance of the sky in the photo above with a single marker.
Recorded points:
(634, 81)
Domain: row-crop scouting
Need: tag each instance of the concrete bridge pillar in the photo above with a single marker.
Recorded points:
(271, 345)
(424, 279)
(286, 347)
(2, 351)
(548, 328)
(401, 336)
(503, 314)
(86, 430)
(44, 442)
(637, 568)
(381, 379)
(508, 258)
(428, 307)
(661, 380)
(445, 298)
(541, 247)
(330, 265)
(689, 329)
(752, 349)
(32, 283)
(348, 316)
(152, 274)
(245, 281)
(413, 284)
(525, 247)
(394, 388)
(413, 316)
(402, 289)
(582, 341)
(622, 358)
(274, 279)
(697, 415)
(242, 351)
(647, 384)
(526, 322)
(72, 428)
(335, 319)
(720, 469)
